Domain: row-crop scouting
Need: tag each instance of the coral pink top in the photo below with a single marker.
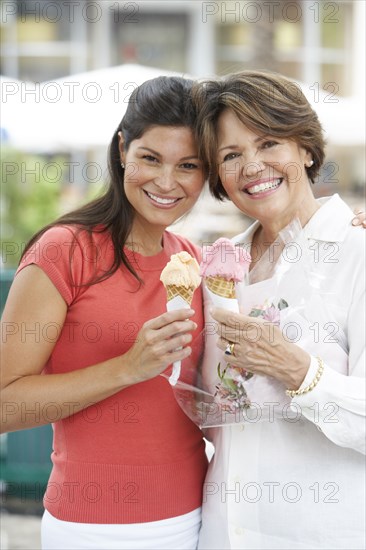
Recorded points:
(133, 457)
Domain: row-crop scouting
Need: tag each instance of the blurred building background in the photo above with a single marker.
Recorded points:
(319, 43)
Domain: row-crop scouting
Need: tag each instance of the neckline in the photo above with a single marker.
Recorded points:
(149, 263)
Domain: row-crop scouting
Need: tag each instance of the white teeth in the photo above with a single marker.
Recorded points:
(264, 186)
(159, 200)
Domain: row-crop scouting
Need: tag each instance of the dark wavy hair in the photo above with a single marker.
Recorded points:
(267, 103)
(162, 101)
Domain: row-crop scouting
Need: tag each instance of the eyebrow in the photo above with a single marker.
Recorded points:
(259, 138)
(159, 155)
(228, 147)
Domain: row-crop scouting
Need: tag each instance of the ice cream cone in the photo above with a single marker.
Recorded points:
(224, 264)
(185, 293)
(221, 287)
(180, 277)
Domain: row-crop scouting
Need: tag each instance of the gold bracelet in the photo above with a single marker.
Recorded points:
(311, 386)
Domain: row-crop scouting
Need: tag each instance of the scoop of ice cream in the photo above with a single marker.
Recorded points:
(181, 270)
(224, 259)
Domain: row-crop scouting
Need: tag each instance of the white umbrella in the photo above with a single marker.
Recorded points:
(14, 111)
(81, 111)
(343, 119)
(92, 104)
(77, 112)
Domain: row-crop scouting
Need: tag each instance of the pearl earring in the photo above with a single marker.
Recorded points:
(310, 164)
(122, 165)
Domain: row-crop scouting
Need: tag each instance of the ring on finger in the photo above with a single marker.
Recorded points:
(229, 350)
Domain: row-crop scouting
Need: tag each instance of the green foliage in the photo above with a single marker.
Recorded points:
(30, 197)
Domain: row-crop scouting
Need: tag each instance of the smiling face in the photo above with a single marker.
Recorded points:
(163, 176)
(264, 176)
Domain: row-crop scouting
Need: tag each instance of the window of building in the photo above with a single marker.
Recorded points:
(160, 42)
(309, 41)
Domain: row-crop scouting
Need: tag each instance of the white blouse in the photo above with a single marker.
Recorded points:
(297, 480)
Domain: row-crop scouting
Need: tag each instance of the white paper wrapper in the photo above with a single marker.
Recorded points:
(176, 303)
(226, 303)
(213, 411)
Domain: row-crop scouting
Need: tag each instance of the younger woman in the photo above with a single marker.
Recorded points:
(88, 333)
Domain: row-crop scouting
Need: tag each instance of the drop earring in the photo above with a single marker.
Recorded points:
(122, 165)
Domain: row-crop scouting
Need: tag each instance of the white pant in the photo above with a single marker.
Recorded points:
(174, 533)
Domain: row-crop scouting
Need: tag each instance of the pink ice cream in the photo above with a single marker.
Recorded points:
(225, 260)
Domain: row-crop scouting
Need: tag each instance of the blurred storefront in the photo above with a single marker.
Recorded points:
(319, 43)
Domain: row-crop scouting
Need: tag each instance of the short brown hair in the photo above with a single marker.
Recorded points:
(267, 103)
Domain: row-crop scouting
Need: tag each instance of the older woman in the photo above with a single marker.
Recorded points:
(296, 479)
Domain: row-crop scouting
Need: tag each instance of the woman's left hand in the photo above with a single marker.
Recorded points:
(260, 348)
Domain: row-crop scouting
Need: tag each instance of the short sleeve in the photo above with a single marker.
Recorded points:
(61, 252)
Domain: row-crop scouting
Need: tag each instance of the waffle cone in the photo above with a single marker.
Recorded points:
(186, 293)
(221, 287)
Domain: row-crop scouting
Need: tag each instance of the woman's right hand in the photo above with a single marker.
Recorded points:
(160, 342)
